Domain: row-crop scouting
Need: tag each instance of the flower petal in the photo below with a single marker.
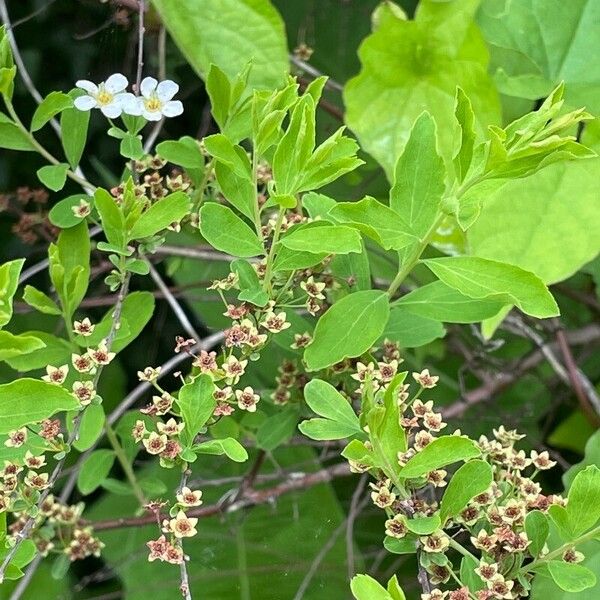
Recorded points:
(172, 109)
(112, 110)
(116, 83)
(85, 103)
(89, 86)
(151, 115)
(148, 86)
(130, 104)
(166, 90)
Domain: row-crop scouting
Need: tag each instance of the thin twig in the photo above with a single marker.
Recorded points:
(310, 70)
(141, 31)
(186, 592)
(251, 498)
(173, 303)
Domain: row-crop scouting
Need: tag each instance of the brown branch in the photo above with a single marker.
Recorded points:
(502, 381)
(250, 498)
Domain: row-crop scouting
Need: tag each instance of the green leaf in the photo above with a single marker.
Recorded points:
(229, 34)
(481, 278)
(184, 152)
(228, 446)
(136, 312)
(239, 191)
(327, 402)
(394, 589)
(62, 215)
(583, 508)
(95, 470)
(131, 146)
(29, 400)
(442, 451)
(12, 137)
(419, 178)
(424, 525)
(349, 328)
(249, 283)
(541, 212)
(225, 231)
(197, 404)
(160, 215)
(51, 105)
(17, 345)
(218, 89)
(364, 587)
(74, 127)
(411, 330)
(323, 239)
(231, 155)
(277, 429)
(90, 427)
(375, 220)
(9, 281)
(571, 577)
(409, 66)
(471, 479)
(535, 46)
(463, 112)
(537, 529)
(406, 545)
(53, 177)
(324, 429)
(56, 351)
(113, 221)
(441, 302)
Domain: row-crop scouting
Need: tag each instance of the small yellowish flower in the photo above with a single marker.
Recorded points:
(56, 375)
(16, 438)
(247, 399)
(84, 392)
(101, 355)
(187, 497)
(171, 427)
(424, 379)
(83, 327)
(155, 443)
(181, 526)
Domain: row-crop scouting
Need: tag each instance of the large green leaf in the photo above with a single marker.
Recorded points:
(442, 451)
(487, 279)
(9, 281)
(411, 330)
(229, 34)
(419, 178)
(439, 301)
(552, 217)
(196, 403)
(29, 400)
(536, 44)
(409, 66)
(348, 328)
(224, 230)
(473, 478)
(16, 345)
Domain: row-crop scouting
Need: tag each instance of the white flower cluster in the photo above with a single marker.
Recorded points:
(154, 103)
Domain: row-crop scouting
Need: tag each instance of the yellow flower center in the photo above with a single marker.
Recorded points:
(103, 97)
(153, 103)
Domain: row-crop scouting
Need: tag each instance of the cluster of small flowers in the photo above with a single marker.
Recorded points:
(163, 440)
(28, 206)
(111, 98)
(178, 527)
(86, 365)
(58, 527)
(288, 380)
(494, 521)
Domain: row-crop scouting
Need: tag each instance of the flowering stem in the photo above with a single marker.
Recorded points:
(559, 551)
(84, 183)
(461, 549)
(122, 458)
(271, 255)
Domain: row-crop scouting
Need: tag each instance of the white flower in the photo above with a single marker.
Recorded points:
(156, 100)
(109, 96)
